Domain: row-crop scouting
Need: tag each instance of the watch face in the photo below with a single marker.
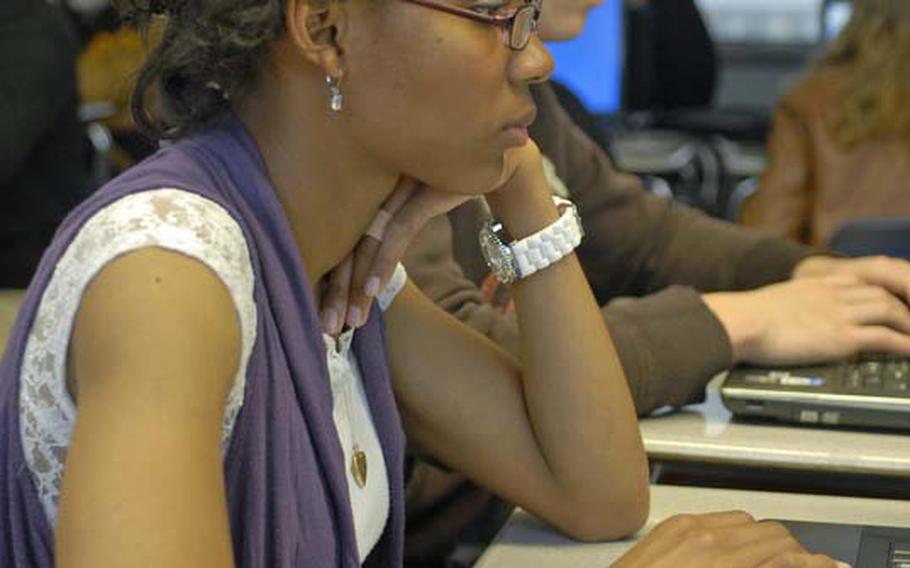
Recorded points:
(498, 256)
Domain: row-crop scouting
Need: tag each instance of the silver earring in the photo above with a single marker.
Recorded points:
(336, 100)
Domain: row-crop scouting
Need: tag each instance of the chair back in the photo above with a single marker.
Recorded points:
(873, 236)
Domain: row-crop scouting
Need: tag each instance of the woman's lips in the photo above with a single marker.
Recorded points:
(517, 131)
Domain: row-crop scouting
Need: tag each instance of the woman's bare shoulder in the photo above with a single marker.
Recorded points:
(159, 316)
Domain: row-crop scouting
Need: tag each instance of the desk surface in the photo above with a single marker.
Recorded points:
(528, 543)
(704, 433)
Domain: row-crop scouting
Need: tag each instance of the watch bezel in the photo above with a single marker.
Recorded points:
(498, 254)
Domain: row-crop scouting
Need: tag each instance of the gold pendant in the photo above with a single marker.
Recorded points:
(359, 467)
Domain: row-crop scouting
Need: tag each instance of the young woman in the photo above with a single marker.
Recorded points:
(170, 396)
(196, 415)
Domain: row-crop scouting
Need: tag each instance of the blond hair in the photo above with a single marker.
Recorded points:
(873, 51)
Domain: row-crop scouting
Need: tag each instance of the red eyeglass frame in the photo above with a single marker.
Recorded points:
(507, 23)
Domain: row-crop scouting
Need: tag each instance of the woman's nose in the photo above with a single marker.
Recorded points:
(533, 64)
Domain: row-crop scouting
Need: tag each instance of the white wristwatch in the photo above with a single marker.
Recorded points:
(511, 261)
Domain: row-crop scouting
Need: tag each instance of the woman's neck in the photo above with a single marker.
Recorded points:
(329, 188)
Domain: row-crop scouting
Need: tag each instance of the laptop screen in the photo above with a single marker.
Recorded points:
(591, 65)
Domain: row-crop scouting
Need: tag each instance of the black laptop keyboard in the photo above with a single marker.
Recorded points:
(900, 556)
(882, 375)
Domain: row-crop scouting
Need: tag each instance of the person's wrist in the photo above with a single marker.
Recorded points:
(743, 327)
(524, 205)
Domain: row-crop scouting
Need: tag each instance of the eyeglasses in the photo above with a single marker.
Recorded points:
(517, 27)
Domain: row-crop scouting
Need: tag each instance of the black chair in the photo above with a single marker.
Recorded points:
(738, 197)
(670, 82)
(672, 72)
(873, 236)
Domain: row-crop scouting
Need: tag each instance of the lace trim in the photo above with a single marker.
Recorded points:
(168, 218)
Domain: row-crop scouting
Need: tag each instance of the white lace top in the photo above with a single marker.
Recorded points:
(197, 227)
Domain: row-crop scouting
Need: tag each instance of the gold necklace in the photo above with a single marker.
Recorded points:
(358, 464)
(359, 467)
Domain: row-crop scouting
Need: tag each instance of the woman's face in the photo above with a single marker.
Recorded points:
(437, 96)
(563, 20)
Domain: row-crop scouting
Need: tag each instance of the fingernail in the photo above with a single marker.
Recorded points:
(354, 316)
(329, 320)
(842, 564)
(371, 288)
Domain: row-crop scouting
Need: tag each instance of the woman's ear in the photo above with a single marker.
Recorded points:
(313, 27)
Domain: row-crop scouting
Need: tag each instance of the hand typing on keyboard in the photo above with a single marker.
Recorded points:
(813, 319)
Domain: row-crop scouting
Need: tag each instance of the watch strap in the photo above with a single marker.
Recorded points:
(549, 245)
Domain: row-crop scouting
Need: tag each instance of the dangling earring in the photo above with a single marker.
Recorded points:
(336, 100)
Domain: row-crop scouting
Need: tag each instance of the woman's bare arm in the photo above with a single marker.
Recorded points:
(154, 350)
(558, 433)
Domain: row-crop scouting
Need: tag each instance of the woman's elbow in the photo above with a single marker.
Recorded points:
(608, 519)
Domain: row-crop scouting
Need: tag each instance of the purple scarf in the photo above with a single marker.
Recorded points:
(285, 474)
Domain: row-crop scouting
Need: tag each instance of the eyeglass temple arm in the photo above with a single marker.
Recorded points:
(498, 20)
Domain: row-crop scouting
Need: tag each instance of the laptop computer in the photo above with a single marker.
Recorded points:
(871, 391)
(860, 546)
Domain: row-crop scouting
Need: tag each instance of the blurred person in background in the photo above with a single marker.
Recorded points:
(90, 16)
(840, 145)
(43, 161)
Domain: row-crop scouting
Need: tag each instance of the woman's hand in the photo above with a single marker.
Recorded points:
(729, 539)
(518, 198)
(354, 284)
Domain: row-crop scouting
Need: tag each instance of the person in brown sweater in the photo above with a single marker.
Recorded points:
(840, 145)
(685, 296)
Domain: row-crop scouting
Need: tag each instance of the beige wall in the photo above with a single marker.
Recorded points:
(9, 305)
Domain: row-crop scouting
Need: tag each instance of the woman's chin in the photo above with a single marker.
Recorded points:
(498, 174)
(478, 180)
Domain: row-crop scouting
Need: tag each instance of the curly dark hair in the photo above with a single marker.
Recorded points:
(208, 52)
